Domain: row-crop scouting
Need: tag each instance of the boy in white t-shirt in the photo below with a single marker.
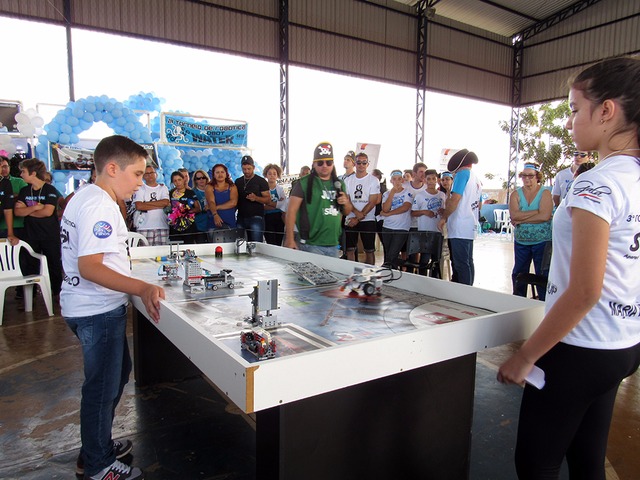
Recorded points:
(94, 298)
(427, 206)
(396, 215)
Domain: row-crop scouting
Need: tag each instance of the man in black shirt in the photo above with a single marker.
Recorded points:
(253, 194)
(6, 203)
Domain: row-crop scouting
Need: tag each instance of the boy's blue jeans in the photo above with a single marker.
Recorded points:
(254, 226)
(461, 251)
(107, 365)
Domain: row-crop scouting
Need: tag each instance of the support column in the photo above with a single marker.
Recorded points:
(67, 18)
(516, 101)
(421, 77)
(284, 85)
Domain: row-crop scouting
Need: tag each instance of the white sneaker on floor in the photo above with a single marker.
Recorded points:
(118, 470)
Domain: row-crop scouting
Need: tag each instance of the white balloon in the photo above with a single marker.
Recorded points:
(31, 112)
(10, 148)
(27, 130)
(22, 117)
(37, 121)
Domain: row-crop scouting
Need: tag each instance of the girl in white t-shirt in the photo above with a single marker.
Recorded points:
(589, 339)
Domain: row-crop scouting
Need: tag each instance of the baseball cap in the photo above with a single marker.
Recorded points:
(324, 151)
(247, 160)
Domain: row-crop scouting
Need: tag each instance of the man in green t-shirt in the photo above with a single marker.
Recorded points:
(16, 184)
(316, 205)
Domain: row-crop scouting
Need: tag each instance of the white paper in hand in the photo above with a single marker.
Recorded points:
(535, 378)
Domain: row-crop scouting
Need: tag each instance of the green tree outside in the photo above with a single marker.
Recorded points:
(544, 138)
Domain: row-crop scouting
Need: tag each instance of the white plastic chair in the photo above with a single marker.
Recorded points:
(497, 218)
(10, 276)
(506, 226)
(136, 239)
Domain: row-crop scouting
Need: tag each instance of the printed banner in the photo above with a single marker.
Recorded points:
(180, 131)
(445, 156)
(373, 152)
(80, 156)
(65, 157)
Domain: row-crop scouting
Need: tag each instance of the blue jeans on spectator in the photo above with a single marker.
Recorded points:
(107, 365)
(320, 250)
(254, 226)
(461, 250)
(524, 254)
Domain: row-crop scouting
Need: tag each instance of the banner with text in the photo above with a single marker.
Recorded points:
(373, 152)
(183, 131)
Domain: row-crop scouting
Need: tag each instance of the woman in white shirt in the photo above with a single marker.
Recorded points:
(589, 339)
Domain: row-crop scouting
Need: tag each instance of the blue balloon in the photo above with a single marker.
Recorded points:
(66, 129)
(90, 107)
(60, 118)
(78, 112)
(53, 136)
(73, 138)
(97, 116)
(107, 118)
(64, 138)
(53, 127)
(121, 122)
(87, 117)
(117, 113)
(73, 121)
(59, 176)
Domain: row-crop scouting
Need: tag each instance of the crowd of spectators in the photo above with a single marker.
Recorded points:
(344, 214)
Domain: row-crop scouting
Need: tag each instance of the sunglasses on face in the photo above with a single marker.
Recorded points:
(200, 178)
(321, 163)
(532, 175)
(362, 163)
(580, 154)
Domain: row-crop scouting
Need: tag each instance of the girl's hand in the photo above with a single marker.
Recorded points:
(514, 370)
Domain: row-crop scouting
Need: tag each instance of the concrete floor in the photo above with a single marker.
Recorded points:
(187, 430)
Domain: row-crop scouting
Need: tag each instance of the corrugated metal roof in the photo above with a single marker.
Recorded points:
(504, 17)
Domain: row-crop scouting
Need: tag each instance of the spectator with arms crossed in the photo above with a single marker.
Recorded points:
(150, 200)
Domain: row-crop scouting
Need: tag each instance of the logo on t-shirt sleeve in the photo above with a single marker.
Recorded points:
(590, 191)
(102, 229)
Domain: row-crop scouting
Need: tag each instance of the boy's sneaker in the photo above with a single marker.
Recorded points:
(118, 471)
(122, 449)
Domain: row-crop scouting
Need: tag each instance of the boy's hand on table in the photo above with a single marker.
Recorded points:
(151, 296)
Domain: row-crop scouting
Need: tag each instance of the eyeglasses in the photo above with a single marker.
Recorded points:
(532, 175)
(321, 163)
(199, 178)
(362, 163)
(580, 154)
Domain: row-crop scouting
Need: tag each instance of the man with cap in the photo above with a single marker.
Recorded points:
(364, 193)
(253, 195)
(349, 164)
(461, 215)
(316, 205)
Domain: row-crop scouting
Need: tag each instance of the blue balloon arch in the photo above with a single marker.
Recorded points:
(124, 119)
